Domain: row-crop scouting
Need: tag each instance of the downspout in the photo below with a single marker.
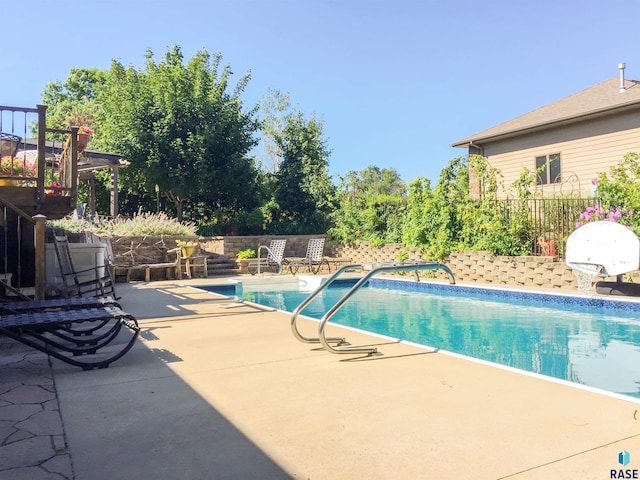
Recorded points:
(479, 148)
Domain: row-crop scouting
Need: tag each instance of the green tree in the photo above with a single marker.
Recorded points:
(372, 204)
(303, 194)
(73, 102)
(181, 129)
(376, 181)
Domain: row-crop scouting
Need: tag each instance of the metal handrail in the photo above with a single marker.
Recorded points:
(269, 253)
(309, 299)
(376, 268)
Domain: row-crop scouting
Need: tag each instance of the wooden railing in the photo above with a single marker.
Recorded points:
(54, 158)
(13, 239)
(50, 166)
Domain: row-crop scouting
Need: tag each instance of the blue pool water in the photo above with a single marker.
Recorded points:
(590, 341)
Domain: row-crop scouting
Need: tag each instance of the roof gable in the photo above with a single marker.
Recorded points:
(594, 100)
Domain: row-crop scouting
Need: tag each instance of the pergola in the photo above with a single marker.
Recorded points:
(89, 162)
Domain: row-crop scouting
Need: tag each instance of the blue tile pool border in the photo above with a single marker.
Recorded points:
(560, 298)
(627, 304)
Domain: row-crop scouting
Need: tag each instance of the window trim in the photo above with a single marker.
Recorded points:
(547, 170)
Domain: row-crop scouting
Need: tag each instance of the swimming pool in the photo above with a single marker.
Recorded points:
(592, 341)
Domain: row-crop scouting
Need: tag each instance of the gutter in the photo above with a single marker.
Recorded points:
(604, 112)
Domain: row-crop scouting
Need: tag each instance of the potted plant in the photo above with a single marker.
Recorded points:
(54, 188)
(547, 244)
(188, 247)
(243, 259)
(15, 167)
(83, 137)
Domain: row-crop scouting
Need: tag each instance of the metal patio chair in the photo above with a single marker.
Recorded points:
(273, 261)
(9, 144)
(313, 260)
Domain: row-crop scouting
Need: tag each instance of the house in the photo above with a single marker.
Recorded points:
(568, 142)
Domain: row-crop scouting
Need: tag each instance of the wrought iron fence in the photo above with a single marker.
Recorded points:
(552, 220)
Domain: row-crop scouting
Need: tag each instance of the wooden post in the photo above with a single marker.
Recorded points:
(92, 196)
(39, 243)
(114, 193)
(42, 130)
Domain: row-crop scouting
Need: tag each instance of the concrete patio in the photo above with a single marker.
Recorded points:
(217, 389)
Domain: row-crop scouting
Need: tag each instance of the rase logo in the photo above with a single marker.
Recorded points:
(624, 458)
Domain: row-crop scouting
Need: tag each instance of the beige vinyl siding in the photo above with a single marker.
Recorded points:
(586, 150)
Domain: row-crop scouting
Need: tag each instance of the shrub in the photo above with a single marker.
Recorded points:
(596, 213)
(619, 192)
(248, 253)
(139, 224)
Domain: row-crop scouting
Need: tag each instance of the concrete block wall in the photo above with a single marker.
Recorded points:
(468, 267)
(229, 246)
(536, 272)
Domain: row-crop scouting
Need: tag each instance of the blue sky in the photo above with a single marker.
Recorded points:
(395, 82)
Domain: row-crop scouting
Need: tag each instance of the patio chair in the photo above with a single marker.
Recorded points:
(95, 281)
(22, 306)
(110, 262)
(313, 260)
(273, 260)
(52, 332)
(73, 303)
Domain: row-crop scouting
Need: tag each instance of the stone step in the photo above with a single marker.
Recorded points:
(224, 273)
(221, 266)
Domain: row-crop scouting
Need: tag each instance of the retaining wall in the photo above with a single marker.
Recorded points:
(468, 267)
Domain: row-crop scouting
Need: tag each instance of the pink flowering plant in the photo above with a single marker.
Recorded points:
(16, 167)
(619, 194)
(82, 130)
(596, 213)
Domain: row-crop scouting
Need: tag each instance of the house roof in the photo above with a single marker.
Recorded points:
(601, 99)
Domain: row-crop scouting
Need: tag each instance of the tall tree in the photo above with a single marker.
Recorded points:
(371, 206)
(182, 129)
(275, 107)
(303, 193)
(376, 181)
(73, 102)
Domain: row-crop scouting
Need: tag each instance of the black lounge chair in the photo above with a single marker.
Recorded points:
(55, 333)
(14, 307)
(72, 303)
(90, 282)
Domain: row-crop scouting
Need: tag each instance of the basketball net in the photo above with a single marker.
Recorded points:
(585, 273)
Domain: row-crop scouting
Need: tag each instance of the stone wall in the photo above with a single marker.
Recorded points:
(530, 272)
(481, 267)
(468, 267)
(229, 246)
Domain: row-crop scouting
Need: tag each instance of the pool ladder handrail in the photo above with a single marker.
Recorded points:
(269, 253)
(309, 299)
(383, 267)
(375, 269)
